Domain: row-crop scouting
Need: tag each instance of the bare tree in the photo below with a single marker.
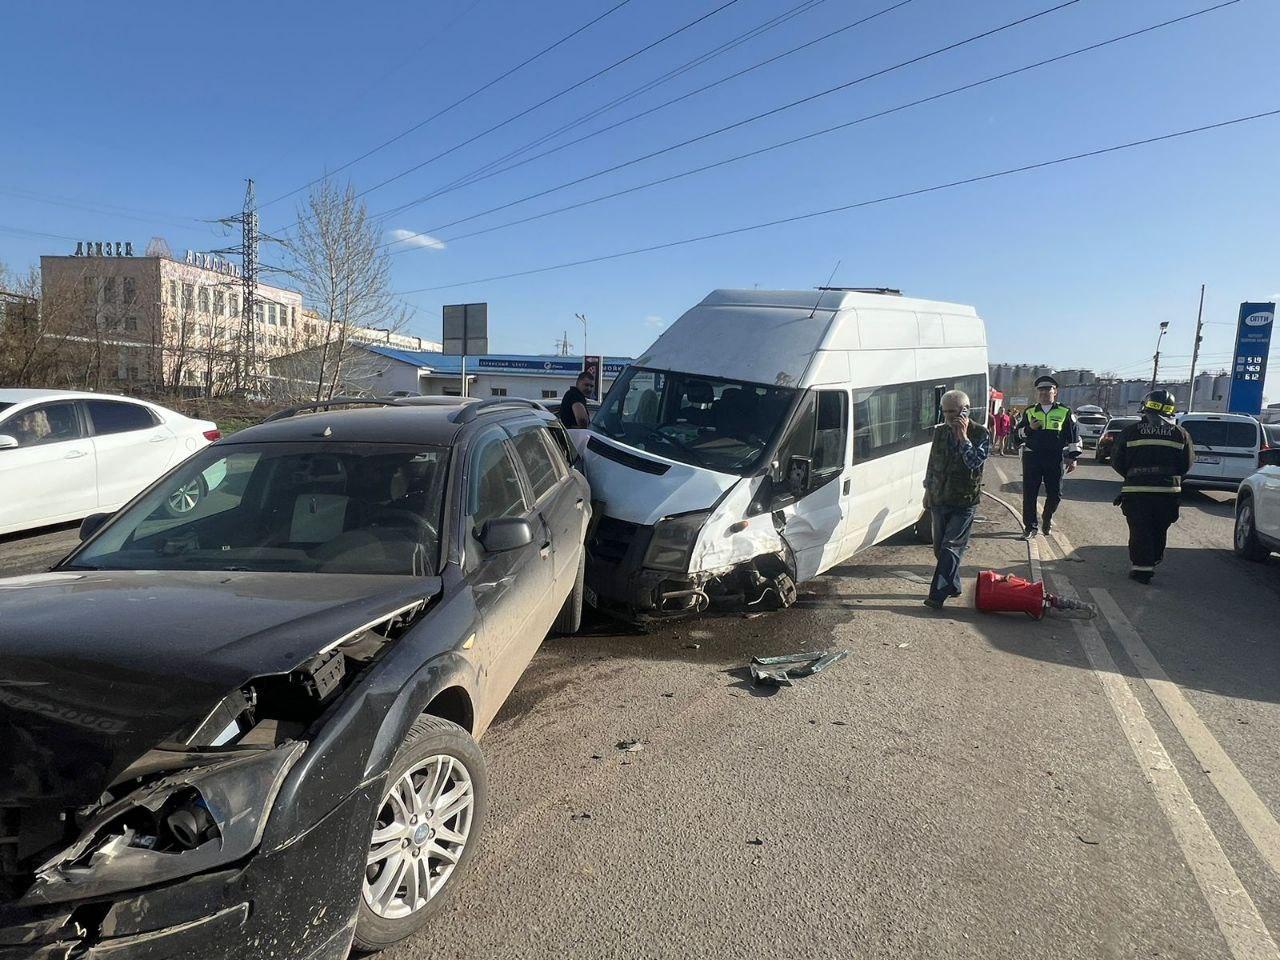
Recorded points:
(337, 258)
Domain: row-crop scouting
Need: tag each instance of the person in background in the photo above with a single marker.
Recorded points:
(1050, 441)
(952, 489)
(573, 407)
(1001, 423)
(1152, 455)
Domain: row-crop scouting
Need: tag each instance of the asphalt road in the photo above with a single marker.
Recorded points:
(962, 785)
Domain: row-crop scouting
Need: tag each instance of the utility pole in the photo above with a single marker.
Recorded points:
(1155, 367)
(248, 281)
(1195, 352)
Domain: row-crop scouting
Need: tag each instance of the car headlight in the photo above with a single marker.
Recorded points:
(181, 824)
(673, 541)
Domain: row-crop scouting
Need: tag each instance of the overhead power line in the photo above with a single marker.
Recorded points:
(828, 130)
(555, 96)
(752, 119)
(951, 184)
(756, 31)
(456, 103)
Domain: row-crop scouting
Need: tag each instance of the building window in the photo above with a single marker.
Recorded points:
(220, 303)
(497, 391)
(109, 290)
(548, 394)
(204, 299)
(173, 293)
(130, 290)
(271, 313)
(204, 329)
(188, 296)
(235, 305)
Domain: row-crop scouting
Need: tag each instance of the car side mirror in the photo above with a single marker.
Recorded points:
(505, 533)
(92, 523)
(1266, 458)
(7, 442)
(799, 470)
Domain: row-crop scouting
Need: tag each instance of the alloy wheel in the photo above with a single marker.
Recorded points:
(1244, 525)
(185, 498)
(419, 835)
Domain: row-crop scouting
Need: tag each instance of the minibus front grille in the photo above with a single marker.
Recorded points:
(612, 539)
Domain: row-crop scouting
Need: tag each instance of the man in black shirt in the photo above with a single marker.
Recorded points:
(573, 408)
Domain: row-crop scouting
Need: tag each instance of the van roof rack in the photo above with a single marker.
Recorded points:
(333, 402)
(883, 291)
(472, 410)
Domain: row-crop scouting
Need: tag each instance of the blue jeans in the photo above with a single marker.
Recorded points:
(951, 529)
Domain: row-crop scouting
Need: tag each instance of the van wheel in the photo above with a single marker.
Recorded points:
(428, 823)
(569, 619)
(1247, 545)
(923, 529)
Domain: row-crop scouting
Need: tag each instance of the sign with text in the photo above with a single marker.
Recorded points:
(593, 366)
(1249, 368)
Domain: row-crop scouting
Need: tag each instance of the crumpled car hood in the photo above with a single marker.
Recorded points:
(98, 667)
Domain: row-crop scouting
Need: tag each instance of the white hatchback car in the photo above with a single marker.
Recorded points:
(1257, 531)
(65, 455)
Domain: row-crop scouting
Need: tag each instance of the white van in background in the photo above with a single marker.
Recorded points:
(1091, 421)
(765, 437)
(1227, 447)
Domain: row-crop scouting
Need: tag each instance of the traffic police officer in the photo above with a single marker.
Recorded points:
(1152, 455)
(1050, 441)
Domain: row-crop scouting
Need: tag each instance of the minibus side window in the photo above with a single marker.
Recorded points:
(820, 435)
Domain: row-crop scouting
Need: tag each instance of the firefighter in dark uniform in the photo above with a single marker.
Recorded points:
(1152, 455)
(1050, 441)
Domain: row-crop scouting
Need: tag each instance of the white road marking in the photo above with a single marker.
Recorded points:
(1004, 478)
(1252, 812)
(1233, 909)
(1064, 545)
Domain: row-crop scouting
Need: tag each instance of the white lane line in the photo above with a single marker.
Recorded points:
(1064, 545)
(1233, 909)
(1004, 477)
(1250, 809)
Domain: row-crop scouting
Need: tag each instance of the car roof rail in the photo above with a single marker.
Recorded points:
(334, 402)
(472, 410)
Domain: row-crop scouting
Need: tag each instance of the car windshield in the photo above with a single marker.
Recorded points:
(1222, 433)
(723, 425)
(1093, 419)
(4, 405)
(1272, 431)
(299, 508)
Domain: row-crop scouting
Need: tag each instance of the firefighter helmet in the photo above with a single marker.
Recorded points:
(1161, 401)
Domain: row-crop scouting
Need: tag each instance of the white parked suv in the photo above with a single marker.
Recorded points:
(1257, 532)
(65, 455)
(1227, 448)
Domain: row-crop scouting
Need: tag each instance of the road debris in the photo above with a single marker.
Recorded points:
(630, 746)
(903, 646)
(782, 670)
(580, 816)
(693, 646)
(757, 842)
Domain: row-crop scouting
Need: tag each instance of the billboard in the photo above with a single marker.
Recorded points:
(1249, 368)
(466, 329)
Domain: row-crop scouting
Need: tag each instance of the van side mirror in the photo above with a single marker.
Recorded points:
(799, 470)
(505, 533)
(92, 523)
(7, 442)
(1269, 457)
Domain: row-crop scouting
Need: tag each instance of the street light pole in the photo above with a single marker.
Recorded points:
(1155, 367)
(583, 318)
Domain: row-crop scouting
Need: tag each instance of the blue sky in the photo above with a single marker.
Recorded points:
(161, 114)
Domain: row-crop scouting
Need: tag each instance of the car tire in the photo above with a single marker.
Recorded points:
(569, 620)
(922, 530)
(432, 747)
(1246, 542)
(183, 501)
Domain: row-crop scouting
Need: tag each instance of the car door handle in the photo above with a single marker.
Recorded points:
(847, 485)
(159, 438)
(75, 455)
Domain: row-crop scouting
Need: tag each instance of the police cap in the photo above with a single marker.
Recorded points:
(1045, 381)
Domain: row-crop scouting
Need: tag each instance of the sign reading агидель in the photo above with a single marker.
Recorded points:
(1249, 369)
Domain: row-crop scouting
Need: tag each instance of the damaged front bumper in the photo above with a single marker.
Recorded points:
(294, 900)
(618, 582)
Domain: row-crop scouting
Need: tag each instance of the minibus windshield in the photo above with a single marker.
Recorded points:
(722, 425)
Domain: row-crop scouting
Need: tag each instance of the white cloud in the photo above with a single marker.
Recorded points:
(654, 322)
(412, 238)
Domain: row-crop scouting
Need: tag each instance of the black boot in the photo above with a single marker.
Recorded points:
(1046, 522)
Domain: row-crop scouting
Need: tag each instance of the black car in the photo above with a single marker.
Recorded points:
(1115, 426)
(250, 730)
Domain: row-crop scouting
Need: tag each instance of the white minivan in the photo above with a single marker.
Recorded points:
(766, 436)
(1227, 447)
